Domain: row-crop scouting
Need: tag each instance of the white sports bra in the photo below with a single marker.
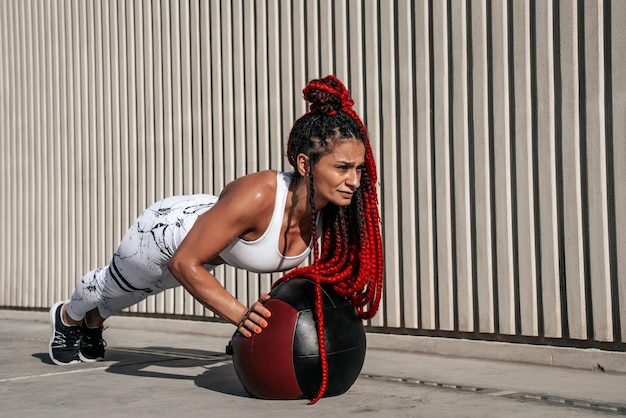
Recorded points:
(262, 255)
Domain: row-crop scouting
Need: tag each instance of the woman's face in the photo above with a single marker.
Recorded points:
(337, 175)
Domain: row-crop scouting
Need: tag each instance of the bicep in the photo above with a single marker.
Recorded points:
(212, 232)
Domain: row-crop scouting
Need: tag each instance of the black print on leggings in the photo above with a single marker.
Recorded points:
(161, 227)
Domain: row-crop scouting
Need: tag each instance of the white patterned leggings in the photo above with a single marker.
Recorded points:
(138, 268)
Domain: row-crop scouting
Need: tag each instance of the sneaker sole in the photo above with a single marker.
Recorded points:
(89, 360)
(53, 311)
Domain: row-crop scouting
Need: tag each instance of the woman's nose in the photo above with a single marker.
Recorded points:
(354, 179)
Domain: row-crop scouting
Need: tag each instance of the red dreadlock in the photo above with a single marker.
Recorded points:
(351, 258)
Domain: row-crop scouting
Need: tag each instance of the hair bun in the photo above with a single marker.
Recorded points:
(327, 95)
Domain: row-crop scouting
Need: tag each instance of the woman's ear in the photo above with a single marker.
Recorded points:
(303, 164)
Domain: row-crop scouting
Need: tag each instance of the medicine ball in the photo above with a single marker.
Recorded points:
(283, 361)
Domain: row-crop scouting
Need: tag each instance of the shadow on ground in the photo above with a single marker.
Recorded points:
(210, 370)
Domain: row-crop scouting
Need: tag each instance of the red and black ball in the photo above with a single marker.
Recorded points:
(283, 361)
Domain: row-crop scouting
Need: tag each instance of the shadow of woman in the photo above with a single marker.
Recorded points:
(210, 370)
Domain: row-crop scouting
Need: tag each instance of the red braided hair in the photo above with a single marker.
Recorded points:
(351, 257)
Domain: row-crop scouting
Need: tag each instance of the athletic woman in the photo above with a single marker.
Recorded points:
(262, 222)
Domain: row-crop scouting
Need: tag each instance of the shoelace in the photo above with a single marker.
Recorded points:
(68, 339)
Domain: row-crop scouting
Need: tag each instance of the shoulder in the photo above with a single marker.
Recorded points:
(254, 189)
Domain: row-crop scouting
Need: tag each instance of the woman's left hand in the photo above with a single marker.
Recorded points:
(255, 318)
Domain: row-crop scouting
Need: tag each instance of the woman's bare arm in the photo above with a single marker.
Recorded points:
(244, 209)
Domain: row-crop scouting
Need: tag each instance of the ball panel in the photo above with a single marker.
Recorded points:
(343, 330)
(305, 342)
(264, 362)
(344, 335)
(343, 370)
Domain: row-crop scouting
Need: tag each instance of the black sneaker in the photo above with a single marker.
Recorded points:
(65, 340)
(91, 344)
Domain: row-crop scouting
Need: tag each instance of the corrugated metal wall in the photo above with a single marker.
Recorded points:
(498, 127)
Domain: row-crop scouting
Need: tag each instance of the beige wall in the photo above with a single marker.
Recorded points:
(498, 127)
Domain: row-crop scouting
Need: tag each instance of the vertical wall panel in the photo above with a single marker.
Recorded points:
(311, 33)
(388, 164)
(4, 132)
(46, 207)
(544, 131)
(56, 165)
(260, 77)
(105, 134)
(25, 238)
(596, 179)
(38, 156)
(19, 137)
(322, 18)
(480, 169)
(340, 39)
(206, 93)
(569, 120)
(69, 155)
(373, 102)
(460, 152)
(496, 125)
(522, 170)
(424, 162)
(501, 121)
(8, 159)
(298, 33)
(442, 168)
(406, 156)
(616, 79)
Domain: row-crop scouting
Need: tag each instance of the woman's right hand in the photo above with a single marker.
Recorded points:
(255, 318)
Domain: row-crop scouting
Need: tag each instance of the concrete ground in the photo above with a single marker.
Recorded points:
(159, 367)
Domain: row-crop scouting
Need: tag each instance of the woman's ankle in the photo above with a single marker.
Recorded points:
(93, 319)
(67, 320)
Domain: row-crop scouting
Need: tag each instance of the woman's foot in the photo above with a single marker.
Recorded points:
(91, 344)
(65, 340)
